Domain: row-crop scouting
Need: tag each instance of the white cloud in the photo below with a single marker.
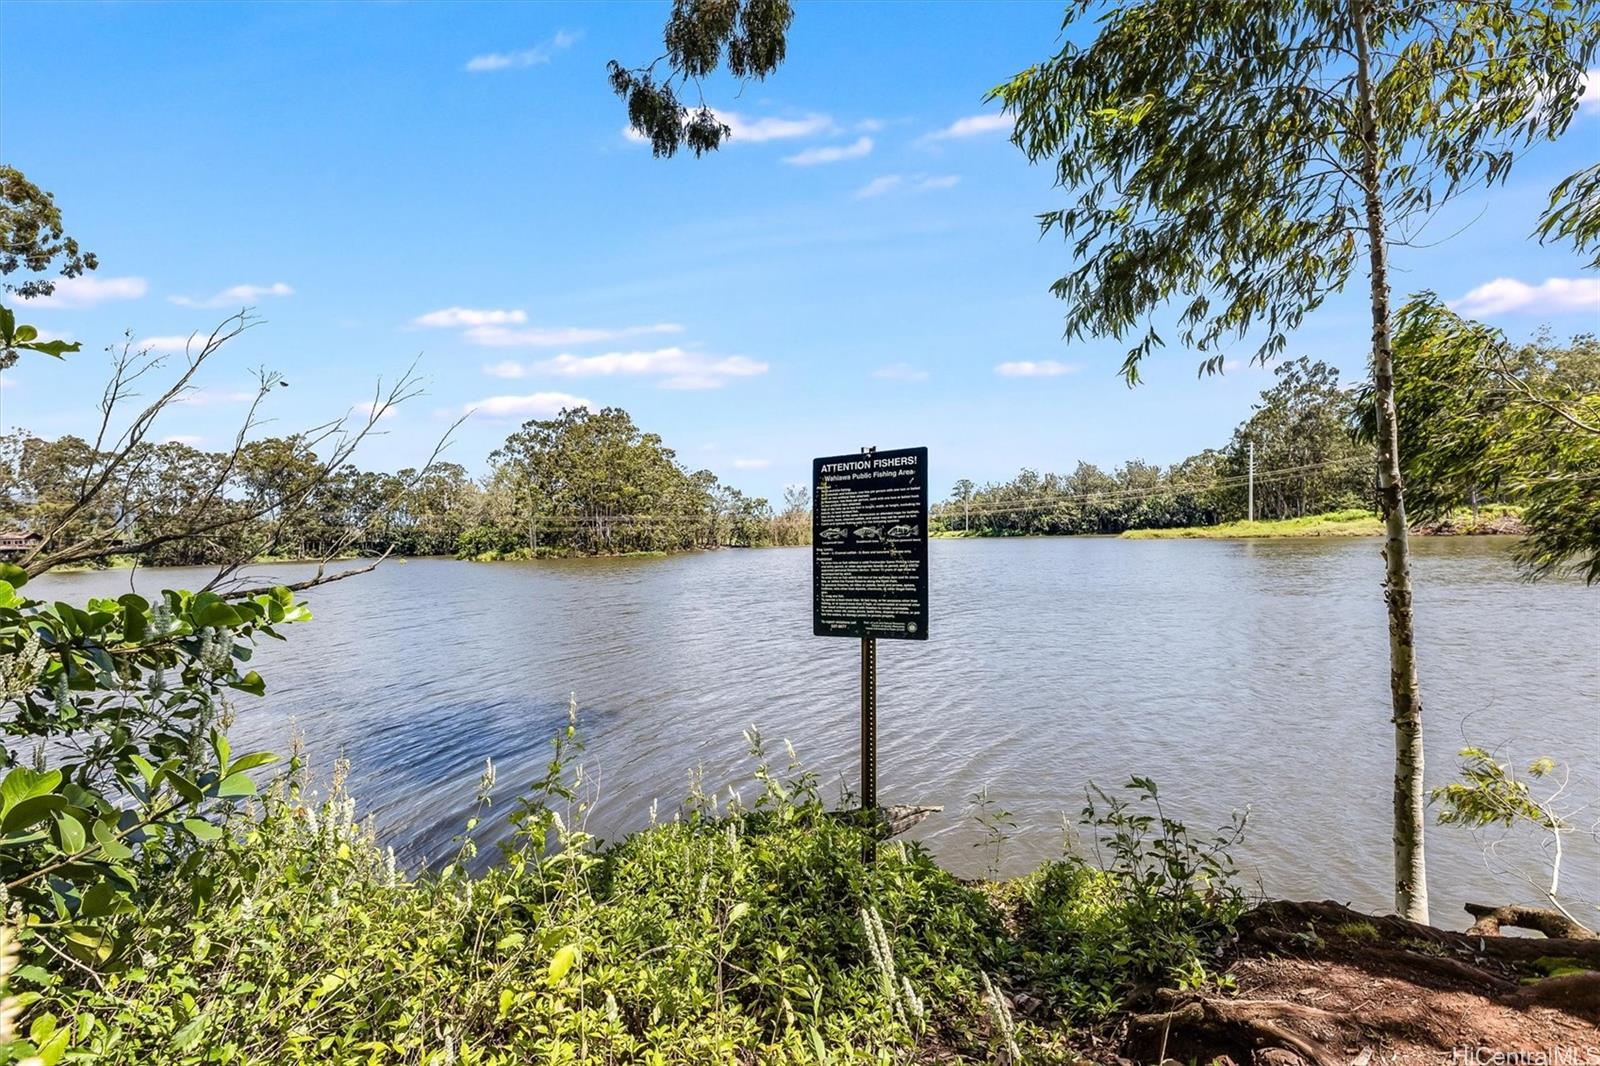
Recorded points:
(916, 182)
(7, 382)
(832, 153)
(752, 464)
(1551, 296)
(900, 372)
(366, 407)
(879, 186)
(1589, 98)
(676, 368)
(533, 405)
(238, 294)
(214, 397)
(173, 343)
(526, 57)
(772, 127)
(1026, 368)
(870, 125)
(508, 368)
(555, 337)
(183, 438)
(88, 290)
(971, 126)
(470, 316)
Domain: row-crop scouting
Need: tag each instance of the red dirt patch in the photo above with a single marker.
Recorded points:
(1318, 983)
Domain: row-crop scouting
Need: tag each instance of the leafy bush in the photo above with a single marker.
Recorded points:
(487, 542)
(1153, 912)
(122, 709)
(720, 933)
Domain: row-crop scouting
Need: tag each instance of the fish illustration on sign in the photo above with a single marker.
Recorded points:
(869, 533)
(831, 534)
(902, 531)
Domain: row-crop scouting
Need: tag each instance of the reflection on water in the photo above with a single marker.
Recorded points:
(1233, 672)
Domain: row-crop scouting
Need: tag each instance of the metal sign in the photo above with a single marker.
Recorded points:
(869, 545)
(869, 567)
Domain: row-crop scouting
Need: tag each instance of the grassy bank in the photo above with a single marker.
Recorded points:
(1496, 519)
(1351, 523)
(725, 933)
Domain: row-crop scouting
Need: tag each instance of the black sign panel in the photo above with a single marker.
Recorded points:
(869, 545)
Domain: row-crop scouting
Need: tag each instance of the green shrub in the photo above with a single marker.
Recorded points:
(721, 933)
(1153, 911)
(117, 768)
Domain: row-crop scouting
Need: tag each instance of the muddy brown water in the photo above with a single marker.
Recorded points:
(1235, 673)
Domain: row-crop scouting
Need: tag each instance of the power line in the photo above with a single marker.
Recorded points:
(1114, 495)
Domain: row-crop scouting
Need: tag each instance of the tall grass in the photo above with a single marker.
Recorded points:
(725, 932)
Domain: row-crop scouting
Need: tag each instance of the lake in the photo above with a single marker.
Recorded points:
(1235, 673)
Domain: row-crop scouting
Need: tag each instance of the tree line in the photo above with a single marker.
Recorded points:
(589, 482)
(1307, 461)
(1483, 420)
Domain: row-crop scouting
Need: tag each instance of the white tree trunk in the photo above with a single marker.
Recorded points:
(1410, 870)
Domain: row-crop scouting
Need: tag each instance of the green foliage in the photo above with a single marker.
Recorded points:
(15, 339)
(121, 709)
(32, 238)
(1364, 931)
(1137, 495)
(713, 937)
(997, 823)
(1214, 151)
(1489, 793)
(1352, 522)
(1574, 213)
(583, 483)
(593, 482)
(1482, 418)
(750, 36)
(1306, 462)
(1152, 911)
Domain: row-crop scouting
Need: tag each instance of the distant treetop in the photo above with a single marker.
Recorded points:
(32, 237)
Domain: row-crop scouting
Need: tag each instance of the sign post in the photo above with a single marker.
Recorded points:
(869, 723)
(869, 566)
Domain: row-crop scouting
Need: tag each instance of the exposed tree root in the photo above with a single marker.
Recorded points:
(1322, 985)
(1576, 993)
(1258, 1026)
(1282, 920)
(1551, 923)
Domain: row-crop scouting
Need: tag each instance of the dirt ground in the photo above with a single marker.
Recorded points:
(1322, 985)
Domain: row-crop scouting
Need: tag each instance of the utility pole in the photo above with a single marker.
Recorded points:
(966, 515)
(1252, 481)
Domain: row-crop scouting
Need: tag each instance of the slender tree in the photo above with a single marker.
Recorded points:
(1241, 158)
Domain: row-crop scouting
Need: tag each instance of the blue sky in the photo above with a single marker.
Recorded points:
(859, 265)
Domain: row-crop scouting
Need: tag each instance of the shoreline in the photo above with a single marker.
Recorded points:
(1497, 520)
